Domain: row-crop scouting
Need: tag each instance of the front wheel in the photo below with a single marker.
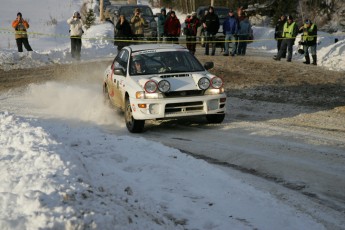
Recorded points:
(133, 125)
(215, 118)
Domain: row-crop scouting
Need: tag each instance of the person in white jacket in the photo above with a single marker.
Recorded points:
(76, 31)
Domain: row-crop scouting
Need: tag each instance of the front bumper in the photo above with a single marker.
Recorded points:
(177, 107)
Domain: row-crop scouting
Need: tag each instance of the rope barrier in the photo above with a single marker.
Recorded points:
(156, 39)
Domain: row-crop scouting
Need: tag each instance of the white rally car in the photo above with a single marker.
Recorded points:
(162, 81)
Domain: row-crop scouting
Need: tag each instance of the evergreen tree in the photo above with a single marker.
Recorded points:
(284, 7)
(90, 19)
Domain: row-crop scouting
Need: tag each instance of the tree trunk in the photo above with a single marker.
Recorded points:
(101, 10)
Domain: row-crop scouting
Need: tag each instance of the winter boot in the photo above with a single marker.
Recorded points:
(314, 60)
(307, 59)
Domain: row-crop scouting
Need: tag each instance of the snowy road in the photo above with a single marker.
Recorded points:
(270, 146)
(308, 160)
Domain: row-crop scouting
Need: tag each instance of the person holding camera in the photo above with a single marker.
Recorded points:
(21, 25)
(76, 31)
(138, 25)
(309, 40)
(192, 23)
(123, 33)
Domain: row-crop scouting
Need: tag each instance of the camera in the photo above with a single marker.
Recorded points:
(301, 43)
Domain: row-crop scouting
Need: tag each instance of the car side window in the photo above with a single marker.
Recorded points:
(121, 60)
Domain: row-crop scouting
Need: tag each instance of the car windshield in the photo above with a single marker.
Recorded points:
(159, 62)
(129, 11)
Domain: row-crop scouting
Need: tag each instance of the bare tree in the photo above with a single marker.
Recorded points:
(101, 10)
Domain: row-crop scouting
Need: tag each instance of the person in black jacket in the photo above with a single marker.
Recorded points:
(278, 33)
(290, 32)
(211, 26)
(123, 33)
(309, 40)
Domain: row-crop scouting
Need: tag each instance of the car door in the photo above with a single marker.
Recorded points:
(119, 77)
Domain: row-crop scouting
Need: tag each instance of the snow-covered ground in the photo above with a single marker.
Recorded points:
(59, 169)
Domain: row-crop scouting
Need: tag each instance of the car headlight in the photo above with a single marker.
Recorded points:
(204, 83)
(216, 82)
(164, 86)
(150, 86)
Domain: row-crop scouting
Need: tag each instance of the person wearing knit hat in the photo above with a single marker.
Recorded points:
(210, 23)
(309, 40)
(76, 31)
(20, 25)
(172, 28)
(278, 33)
(161, 21)
(290, 32)
(191, 26)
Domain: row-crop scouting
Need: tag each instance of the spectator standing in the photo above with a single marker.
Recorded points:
(309, 40)
(169, 12)
(138, 24)
(123, 33)
(278, 33)
(76, 31)
(290, 32)
(21, 25)
(161, 21)
(192, 23)
(244, 31)
(210, 24)
(230, 30)
(240, 13)
(172, 28)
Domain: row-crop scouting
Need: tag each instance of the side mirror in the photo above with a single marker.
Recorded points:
(119, 71)
(157, 15)
(208, 65)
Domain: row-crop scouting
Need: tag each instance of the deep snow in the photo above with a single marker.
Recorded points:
(60, 169)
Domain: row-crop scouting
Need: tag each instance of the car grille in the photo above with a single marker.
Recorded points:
(185, 93)
(184, 108)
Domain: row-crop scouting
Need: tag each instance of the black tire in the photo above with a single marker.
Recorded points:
(215, 118)
(133, 125)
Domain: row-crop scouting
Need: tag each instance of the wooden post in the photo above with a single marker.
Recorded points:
(101, 10)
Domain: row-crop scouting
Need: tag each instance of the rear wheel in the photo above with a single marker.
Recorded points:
(133, 125)
(215, 118)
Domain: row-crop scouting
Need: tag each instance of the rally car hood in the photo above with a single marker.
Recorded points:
(178, 82)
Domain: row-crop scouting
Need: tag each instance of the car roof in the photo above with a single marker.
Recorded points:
(141, 47)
